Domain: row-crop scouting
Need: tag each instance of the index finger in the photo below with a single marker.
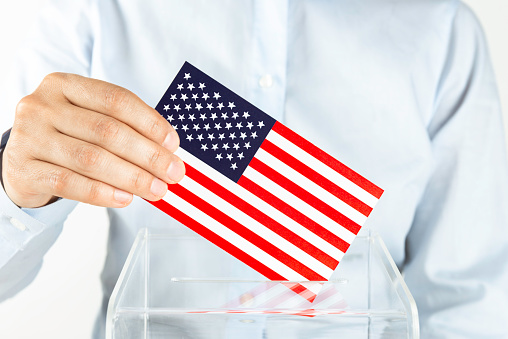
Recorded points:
(121, 104)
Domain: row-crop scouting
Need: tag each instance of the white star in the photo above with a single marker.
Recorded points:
(231, 105)
(199, 107)
(235, 115)
(189, 137)
(191, 117)
(213, 116)
(215, 147)
(240, 156)
(254, 135)
(175, 127)
(239, 125)
(173, 97)
(177, 108)
(232, 136)
(179, 87)
(202, 116)
(229, 156)
(187, 76)
(228, 125)
(205, 96)
(196, 127)
(246, 115)
(201, 86)
(191, 87)
(217, 126)
(209, 106)
(211, 136)
(247, 145)
(218, 156)
(207, 127)
(185, 128)
(195, 96)
(233, 166)
(183, 97)
(225, 146)
(181, 117)
(204, 147)
(261, 124)
(188, 107)
(200, 137)
(236, 146)
(166, 108)
(250, 125)
(243, 135)
(224, 116)
(220, 106)
(216, 95)
(221, 136)
(170, 118)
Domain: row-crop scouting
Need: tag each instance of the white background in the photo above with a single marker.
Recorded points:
(64, 299)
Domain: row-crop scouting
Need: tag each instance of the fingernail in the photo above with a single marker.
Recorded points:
(122, 196)
(158, 188)
(176, 170)
(171, 142)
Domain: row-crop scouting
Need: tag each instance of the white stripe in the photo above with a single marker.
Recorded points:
(258, 228)
(322, 168)
(299, 205)
(261, 205)
(310, 186)
(233, 238)
(267, 296)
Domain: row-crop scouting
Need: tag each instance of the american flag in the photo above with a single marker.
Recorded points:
(257, 189)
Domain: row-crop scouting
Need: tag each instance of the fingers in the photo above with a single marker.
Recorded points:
(99, 164)
(62, 182)
(123, 141)
(117, 102)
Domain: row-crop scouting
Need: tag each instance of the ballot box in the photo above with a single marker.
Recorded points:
(185, 287)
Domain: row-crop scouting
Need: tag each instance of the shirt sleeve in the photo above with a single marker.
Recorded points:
(457, 249)
(61, 41)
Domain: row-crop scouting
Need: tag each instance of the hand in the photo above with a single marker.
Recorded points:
(90, 141)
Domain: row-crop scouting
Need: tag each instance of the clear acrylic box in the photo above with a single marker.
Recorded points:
(167, 289)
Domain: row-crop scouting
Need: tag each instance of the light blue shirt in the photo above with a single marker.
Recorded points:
(401, 91)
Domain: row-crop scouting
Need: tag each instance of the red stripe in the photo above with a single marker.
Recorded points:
(294, 214)
(244, 232)
(304, 195)
(327, 159)
(262, 218)
(217, 240)
(303, 291)
(317, 178)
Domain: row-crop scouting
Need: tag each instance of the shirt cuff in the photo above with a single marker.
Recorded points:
(19, 225)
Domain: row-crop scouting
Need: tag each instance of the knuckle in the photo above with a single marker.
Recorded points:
(94, 191)
(139, 181)
(157, 130)
(87, 156)
(55, 76)
(106, 129)
(58, 181)
(26, 106)
(116, 98)
(156, 157)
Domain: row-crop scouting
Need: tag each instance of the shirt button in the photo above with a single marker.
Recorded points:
(266, 81)
(18, 224)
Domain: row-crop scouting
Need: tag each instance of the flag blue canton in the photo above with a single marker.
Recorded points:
(214, 124)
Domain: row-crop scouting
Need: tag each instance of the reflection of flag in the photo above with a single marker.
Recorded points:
(281, 295)
(257, 189)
